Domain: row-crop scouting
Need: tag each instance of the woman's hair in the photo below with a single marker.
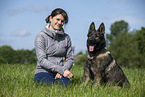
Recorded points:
(56, 12)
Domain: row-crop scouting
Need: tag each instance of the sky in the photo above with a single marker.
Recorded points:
(22, 20)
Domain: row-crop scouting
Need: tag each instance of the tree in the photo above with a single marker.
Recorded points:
(116, 28)
(140, 38)
(8, 54)
(122, 44)
(125, 50)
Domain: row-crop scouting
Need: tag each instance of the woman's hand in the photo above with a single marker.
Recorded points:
(58, 76)
(67, 74)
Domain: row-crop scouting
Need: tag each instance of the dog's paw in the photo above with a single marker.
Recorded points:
(95, 85)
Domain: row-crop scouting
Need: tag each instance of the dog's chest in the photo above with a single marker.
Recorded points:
(96, 61)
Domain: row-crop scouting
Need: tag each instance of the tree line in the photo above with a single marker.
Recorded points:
(11, 56)
(127, 48)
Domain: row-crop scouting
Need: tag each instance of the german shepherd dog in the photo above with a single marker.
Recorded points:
(99, 65)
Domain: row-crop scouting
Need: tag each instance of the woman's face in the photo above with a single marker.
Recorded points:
(56, 22)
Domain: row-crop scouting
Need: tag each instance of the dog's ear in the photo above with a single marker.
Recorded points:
(102, 28)
(92, 27)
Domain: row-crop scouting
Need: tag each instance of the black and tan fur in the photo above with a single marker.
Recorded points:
(99, 65)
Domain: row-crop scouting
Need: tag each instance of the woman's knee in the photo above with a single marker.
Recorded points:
(65, 82)
(44, 78)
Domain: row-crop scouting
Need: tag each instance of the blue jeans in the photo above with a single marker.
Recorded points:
(49, 79)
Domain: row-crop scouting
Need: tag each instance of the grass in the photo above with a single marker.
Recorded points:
(17, 81)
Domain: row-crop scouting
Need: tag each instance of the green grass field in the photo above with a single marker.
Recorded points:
(17, 81)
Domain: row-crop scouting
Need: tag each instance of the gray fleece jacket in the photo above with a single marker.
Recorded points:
(52, 47)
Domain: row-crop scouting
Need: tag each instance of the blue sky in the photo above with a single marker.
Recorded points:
(22, 20)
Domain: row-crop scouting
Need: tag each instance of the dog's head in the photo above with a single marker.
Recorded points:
(96, 40)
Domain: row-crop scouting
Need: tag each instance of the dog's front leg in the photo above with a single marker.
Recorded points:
(86, 76)
(97, 75)
(97, 79)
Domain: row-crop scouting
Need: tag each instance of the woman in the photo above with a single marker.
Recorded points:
(54, 51)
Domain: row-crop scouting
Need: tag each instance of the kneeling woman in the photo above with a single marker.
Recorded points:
(54, 51)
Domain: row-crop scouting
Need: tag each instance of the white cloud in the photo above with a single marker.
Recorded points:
(28, 8)
(21, 33)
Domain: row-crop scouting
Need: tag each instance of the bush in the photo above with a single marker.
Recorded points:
(80, 59)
